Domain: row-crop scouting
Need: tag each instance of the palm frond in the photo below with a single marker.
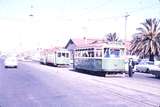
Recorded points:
(147, 41)
(147, 28)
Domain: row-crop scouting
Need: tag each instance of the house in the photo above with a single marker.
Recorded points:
(73, 43)
(80, 42)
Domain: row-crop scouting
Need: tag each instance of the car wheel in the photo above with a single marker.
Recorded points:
(147, 70)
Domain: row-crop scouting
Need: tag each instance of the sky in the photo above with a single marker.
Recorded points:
(54, 22)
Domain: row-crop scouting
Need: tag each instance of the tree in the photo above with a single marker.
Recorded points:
(146, 43)
(111, 37)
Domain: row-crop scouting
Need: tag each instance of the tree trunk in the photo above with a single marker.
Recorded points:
(151, 57)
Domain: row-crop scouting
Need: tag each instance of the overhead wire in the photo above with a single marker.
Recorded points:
(89, 11)
(97, 7)
(122, 15)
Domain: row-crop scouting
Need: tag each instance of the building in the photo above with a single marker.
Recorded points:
(79, 42)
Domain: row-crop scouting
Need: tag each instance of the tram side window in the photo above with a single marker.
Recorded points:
(78, 53)
(67, 55)
(84, 54)
(98, 53)
(106, 52)
(122, 52)
(91, 54)
(59, 54)
(63, 54)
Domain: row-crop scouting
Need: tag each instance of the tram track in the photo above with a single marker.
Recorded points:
(128, 94)
(133, 99)
(143, 99)
(114, 89)
(109, 86)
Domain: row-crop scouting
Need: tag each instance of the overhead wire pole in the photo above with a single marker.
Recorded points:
(125, 27)
(125, 31)
(130, 61)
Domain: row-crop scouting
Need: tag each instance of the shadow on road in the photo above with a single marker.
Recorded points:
(94, 73)
(154, 78)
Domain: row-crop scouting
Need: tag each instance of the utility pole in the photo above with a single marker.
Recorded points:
(125, 27)
(31, 15)
(125, 32)
(130, 61)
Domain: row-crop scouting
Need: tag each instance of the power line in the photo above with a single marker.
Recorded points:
(129, 11)
(135, 10)
(91, 10)
(99, 6)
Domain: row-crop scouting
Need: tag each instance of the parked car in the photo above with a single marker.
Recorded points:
(156, 70)
(144, 66)
(11, 62)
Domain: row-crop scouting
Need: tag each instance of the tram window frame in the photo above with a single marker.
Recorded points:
(84, 53)
(98, 52)
(78, 53)
(67, 55)
(75, 54)
(63, 54)
(106, 52)
(122, 51)
(91, 53)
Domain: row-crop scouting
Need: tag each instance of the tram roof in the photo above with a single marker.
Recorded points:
(100, 45)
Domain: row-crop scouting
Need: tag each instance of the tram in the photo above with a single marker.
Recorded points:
(101, 58)
(55, 57)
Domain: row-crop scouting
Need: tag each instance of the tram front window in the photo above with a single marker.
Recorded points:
(114, 52)
(111, 52)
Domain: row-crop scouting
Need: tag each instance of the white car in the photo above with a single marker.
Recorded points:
(144, 66)
(11, 62)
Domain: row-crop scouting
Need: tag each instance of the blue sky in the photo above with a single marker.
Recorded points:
(55, 21)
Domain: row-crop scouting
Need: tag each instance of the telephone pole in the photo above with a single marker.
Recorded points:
(125, 26)
(125, 32)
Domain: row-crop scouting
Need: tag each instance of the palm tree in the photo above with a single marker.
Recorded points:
(146, 43)
(111, 37)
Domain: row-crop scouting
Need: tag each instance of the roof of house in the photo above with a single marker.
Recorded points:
(82, 41)
(103, 44)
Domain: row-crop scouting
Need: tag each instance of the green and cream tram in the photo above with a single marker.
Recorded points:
(56, 57)
(101, 57)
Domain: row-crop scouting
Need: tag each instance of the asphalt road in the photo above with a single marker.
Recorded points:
(36, 85)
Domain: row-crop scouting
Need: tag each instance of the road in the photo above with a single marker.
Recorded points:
(36, 85)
